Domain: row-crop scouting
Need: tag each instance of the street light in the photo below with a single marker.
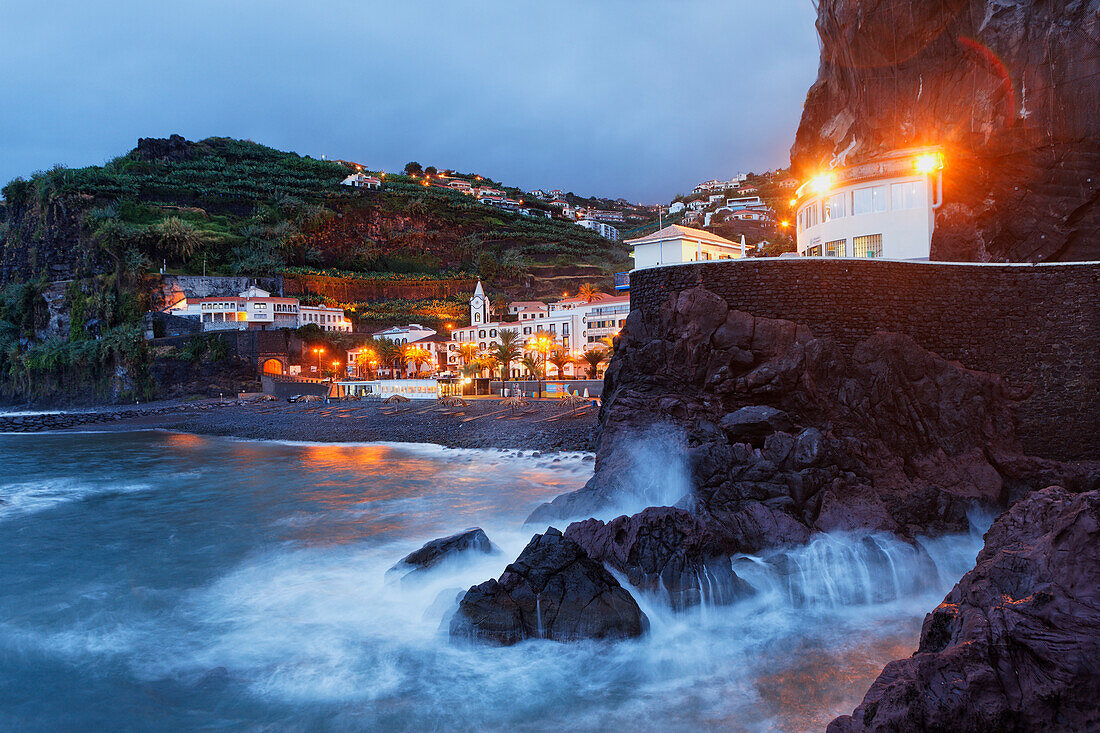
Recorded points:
(318, 351)
(540, 344)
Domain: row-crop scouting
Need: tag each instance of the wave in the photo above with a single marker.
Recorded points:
(29, 497)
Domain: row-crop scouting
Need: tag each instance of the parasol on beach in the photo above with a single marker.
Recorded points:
(513, 402)
(571, 402)
(311, 398)
(394, 399)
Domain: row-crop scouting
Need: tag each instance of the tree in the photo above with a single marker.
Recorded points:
(500, 304)
(413, 169)
(417, 356)
(507, 351)
(430, 170)
(389, 354)
(559, 357)
(532, 365)
(589, 293)
(177, 238)
(487, 362)
(468, 352)
(592, 360)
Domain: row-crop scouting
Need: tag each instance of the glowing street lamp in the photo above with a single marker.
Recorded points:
(928, 163)
(318, 351)
(540, 344)
(821, 183)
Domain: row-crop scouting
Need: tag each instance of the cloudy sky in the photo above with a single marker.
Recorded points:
(631, 98)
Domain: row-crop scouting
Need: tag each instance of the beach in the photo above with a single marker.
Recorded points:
(482, 423)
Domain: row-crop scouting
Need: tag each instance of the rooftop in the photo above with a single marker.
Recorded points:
(674, 231)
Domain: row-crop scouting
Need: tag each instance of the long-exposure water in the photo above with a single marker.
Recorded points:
(161, 581)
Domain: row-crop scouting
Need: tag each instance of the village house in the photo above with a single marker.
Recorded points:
(404, 334)
(361, 180)
(604, 230)
(253, 309)
(675, 245)
(326, 317)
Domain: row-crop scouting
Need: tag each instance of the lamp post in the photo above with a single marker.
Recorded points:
(540, 344)
(318, 351)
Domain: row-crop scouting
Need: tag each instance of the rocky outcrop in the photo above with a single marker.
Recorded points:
(666, 550)
(444, 548)
(1008, 89)
(787, 434)
(1015, 646)
(174, 148)
(552, 591)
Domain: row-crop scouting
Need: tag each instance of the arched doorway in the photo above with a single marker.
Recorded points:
(273, 366)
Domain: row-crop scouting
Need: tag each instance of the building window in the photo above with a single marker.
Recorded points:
(814, 251)
(527, 331)
(832, 207)
(861, 201)
(869, 245)
(481, 333)
(906, 195)
(492, 332)
(835, 248)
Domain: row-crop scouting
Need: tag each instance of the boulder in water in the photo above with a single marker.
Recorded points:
(444, 548)
(553, 590)
(664, 548)
(1016, 644)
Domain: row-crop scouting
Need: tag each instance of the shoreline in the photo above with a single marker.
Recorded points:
(484, 424)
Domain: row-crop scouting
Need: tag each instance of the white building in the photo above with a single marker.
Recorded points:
(570, 322)
(328, 319)
(253, 309)
(404, 334)
(675, 245)
(881, 208)
(604, 230)
(361, 180)
(676, 207)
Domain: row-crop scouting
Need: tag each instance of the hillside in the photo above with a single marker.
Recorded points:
(228, 206)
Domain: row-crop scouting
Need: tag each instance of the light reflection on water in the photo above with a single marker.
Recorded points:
(154, 580)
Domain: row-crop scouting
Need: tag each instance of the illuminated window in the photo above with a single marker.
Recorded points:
(836, 248)
(814, 251)
(869, 245)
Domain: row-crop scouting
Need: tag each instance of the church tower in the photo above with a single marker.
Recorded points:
(479, 306)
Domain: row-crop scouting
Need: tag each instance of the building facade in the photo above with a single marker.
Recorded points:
(675, 244)
(881, 208)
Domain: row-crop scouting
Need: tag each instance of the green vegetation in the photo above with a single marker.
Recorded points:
(102, 356)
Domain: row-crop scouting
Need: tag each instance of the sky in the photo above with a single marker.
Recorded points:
(640, 99)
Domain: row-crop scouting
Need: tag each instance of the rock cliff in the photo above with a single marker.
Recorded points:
(1015, 646)
(1009, 88)
(786, 434)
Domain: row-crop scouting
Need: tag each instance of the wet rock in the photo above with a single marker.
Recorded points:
(443, 548)
(553, 590)
(664, 549)
(754, 422)
(1016, 644)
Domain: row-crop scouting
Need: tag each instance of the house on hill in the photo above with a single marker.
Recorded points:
(361, 180)
(676, 245)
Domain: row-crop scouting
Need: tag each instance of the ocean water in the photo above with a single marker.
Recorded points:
(160, 581)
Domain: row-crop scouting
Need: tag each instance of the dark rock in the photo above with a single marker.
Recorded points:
(663, 548)
(754, 423)
(444, 548)
(175, 149)
(552, 591)
(1015, 646)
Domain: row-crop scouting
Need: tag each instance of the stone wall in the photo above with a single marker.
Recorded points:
(1037, 325)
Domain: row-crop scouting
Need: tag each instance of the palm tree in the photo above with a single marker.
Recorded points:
(589, 293)
(417, 356)
(468, 352)
(559, 357)
(500, 305)
(389, 354)
(178, 237)
(592, 360)
(488, 362)
(532, 365)
(507, 351)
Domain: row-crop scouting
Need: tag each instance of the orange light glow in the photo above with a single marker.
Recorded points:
(928, 163)
(784, 223)
(821, 183)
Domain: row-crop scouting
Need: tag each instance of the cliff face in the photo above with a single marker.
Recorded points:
(1010, 90)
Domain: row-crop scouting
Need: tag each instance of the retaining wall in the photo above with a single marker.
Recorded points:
(1037, 325)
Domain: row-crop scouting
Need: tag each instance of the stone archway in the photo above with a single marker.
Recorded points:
(272, 366)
